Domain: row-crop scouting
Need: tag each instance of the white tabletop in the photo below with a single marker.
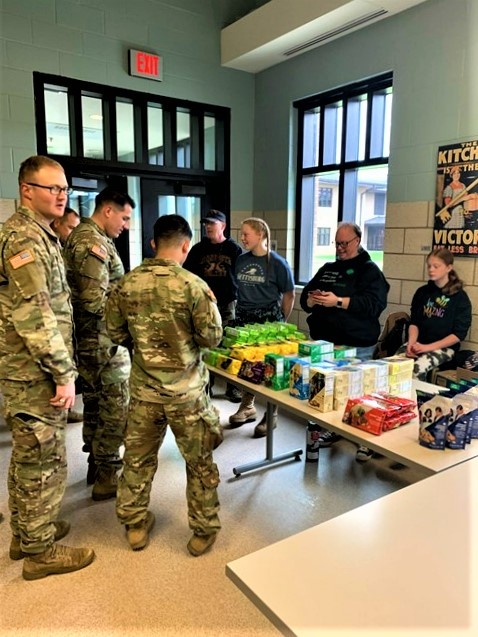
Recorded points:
(400, 444)
(405, 565)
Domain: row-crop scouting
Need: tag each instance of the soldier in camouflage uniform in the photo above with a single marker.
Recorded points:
(63, 227)
(37, 372)
(167, 315)
(93, 268)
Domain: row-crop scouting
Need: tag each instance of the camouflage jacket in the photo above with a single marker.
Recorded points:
(35, 309)
(167, 314)
(93, 267)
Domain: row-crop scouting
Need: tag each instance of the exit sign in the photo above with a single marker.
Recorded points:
(146, 65)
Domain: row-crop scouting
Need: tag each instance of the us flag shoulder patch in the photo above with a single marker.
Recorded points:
(22, 258)
(99, 251)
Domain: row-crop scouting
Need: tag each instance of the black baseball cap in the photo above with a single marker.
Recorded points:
(214, 215)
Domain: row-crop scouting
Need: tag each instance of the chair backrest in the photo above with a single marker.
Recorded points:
(394, 334)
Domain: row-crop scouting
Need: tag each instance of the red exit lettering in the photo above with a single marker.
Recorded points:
(147, 64)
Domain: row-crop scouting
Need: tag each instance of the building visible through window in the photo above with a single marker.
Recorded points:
(323, 236)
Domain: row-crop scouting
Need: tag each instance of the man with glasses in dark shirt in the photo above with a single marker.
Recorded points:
(344, 301)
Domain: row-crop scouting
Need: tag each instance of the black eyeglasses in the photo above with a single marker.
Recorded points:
(344, 244)
(55, 190)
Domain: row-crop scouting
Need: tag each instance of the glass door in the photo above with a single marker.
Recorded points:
(166, 197)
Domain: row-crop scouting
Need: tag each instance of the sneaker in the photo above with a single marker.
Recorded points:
(233, 394)
(260, 430)
(199, 544)
(363, 454)
(328, 438)
(57, 559)
(62, 528)
(138, 534)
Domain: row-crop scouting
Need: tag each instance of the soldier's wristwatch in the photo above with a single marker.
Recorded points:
(340, 302)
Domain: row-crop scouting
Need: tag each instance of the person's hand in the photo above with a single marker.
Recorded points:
(64, 397)
(420, 348)
(410, 351)
(325, 299)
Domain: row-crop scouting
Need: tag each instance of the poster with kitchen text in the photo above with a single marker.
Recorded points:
(456, 204)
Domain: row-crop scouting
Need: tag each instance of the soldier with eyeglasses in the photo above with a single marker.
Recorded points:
(344, 301)
(37, 371)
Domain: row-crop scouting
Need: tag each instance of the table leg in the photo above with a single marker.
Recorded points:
(270, 459)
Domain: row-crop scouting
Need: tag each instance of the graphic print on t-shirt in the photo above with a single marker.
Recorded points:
(436, 307)
(251, 275)
(216, 265)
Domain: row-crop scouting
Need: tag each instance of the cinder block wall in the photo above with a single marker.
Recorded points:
(407, 242)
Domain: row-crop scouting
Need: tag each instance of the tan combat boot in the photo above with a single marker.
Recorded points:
(138, 534)
(62, 528)
(260, 430)
(245, 413)
(199, 544)
(57, 559)
(106, 484)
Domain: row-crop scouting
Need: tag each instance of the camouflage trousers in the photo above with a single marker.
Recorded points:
(426, 362)
(37, 472)
(196, 428)
(104, 420)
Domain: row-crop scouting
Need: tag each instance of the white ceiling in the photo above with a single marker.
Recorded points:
(270, 35)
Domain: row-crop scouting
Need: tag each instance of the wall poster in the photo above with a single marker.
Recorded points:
(456, 205)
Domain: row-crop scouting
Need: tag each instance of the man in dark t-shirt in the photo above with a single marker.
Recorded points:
(214, 259)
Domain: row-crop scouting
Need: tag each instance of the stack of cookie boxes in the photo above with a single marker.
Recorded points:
(449, 420)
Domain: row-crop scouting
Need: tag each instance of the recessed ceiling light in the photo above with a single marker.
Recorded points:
(97, 117)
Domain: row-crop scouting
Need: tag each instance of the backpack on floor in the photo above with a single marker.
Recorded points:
(394, 334)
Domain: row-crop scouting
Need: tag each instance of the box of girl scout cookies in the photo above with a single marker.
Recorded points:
(274, 372)
(299, 378)
(321, 387)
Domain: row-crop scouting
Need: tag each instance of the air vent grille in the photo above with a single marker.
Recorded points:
(320, 39)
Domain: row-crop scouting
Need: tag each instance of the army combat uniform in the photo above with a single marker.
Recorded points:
(93, 266)
(168, 314)
(36, 355)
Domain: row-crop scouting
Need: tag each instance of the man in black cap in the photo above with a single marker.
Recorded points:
(214, 259)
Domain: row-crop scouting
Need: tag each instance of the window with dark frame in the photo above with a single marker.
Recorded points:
(325, 197)
(116, 127)
(323, 236)
(342, 169)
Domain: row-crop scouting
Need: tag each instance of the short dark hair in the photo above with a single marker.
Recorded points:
(171, 229)
(109, 195)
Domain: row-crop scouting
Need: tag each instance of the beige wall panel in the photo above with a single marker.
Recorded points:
(394, 240)
(399, 266)
(407, 215)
